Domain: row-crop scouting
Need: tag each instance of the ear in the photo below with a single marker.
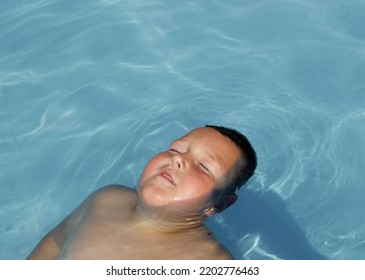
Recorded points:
(226, 201)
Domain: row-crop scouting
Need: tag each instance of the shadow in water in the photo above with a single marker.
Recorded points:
(265, 214)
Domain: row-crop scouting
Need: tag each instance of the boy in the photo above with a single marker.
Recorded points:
(178, 190)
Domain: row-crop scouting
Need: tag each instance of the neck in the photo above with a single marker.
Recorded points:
(162, 219)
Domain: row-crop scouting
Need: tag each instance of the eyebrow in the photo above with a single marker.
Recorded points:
(177, 141)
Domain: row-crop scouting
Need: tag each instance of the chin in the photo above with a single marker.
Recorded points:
(153, 196)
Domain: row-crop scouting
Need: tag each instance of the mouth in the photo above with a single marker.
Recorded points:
(167, 177)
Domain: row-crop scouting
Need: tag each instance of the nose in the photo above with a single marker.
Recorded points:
(179, 161)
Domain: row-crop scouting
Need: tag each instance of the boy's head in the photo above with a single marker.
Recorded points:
(199, 171)
(246, 166)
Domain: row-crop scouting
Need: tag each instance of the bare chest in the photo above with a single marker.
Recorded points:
(108, 239)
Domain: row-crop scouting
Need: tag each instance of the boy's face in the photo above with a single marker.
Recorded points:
(190, 174)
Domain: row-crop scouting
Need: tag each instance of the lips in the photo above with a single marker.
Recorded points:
(168, 177)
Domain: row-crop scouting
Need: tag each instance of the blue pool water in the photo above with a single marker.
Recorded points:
(90, 90)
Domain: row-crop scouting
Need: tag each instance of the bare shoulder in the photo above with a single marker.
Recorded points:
(206, 246)
(216, 251)
(110, 199)
(221, 253)
(113, 194)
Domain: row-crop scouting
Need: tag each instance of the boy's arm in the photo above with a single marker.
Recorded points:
(47, 249)
(51, 245)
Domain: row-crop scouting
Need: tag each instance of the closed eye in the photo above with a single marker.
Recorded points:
(174, 150)
(204, 166)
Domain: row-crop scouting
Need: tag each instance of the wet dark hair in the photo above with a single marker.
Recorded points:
(245, 170)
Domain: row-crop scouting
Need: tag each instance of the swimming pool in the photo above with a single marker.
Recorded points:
(90, 91)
